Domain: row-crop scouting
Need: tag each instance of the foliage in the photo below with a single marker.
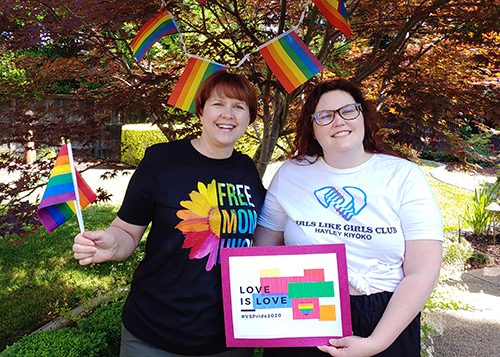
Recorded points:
(103, 327)
(479, 257)
(452, 202)
(106, 320)
(482, 140)
(455, 252)
(455, 255)
(137, 138)
(135, 141)
(69, 342)
(428, 66)
(476, 215)
(478, 149)
(40, 275)
(258, 352)
(98, 335)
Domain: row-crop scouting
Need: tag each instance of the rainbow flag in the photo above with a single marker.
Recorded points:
(162, 24)
(335, 13)
(195, 72)
(290, 60)
(57, 203)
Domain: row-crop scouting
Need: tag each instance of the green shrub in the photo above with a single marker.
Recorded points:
(476, 215)
(247, 145)
(136, 139)
(478, 148)
(258, 352)
(482, 140)
(98, 335)
(430, 153)
(106, 320)
(69, 342)
(479, 258)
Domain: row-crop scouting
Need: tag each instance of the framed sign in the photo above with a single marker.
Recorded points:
(285, 296)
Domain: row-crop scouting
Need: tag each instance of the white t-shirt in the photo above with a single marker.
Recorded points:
(372, 208)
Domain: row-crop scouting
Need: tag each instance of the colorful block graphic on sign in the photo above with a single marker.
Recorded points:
(285, 296)
(300, 293)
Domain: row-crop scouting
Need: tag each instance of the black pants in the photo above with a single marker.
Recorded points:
(366, 312)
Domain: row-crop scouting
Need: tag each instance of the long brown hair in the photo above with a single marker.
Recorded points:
(306, 145)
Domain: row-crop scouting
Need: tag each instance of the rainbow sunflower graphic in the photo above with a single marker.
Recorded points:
(201, 222)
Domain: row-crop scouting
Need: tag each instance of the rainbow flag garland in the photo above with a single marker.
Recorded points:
(287, 56)
(162, 24)
(335, 13)
(195, 72)
(290, 60)
(57, 203)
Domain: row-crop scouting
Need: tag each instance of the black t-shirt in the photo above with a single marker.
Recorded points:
(196, 205)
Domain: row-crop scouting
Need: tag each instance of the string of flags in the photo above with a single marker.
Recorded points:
(195, 72)
(66, 193)
(287, 56)
(335, 12)
(291, 61)
(161, 25)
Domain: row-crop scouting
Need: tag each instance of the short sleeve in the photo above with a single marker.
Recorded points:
(273, 216)
(419, 213)
(138, 203)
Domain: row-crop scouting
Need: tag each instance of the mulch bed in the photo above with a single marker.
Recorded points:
(484, 244)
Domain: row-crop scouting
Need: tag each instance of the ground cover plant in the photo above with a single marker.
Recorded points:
(476, 215)
(40, 279)
(479, 148)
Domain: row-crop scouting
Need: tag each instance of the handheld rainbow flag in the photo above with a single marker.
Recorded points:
(335, 13)
(162, 24)
(195, 72)
(58, 201)
(290, 60)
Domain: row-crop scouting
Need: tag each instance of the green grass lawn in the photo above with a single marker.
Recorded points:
(452, 201)
(40, 279)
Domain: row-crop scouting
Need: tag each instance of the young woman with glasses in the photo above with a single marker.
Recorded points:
(377, 204)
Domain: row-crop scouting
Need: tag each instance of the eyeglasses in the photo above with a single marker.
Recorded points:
(347, 112)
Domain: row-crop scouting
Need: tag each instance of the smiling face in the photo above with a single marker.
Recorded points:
(341, 140)
(224, 121)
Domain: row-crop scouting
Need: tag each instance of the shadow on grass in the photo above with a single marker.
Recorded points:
(40, 279)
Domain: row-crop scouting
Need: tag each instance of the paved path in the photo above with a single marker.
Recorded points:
(459, 179)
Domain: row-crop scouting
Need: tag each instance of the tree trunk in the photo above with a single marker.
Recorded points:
(29, 149)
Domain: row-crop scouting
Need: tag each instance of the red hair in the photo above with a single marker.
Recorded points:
(230, 85)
